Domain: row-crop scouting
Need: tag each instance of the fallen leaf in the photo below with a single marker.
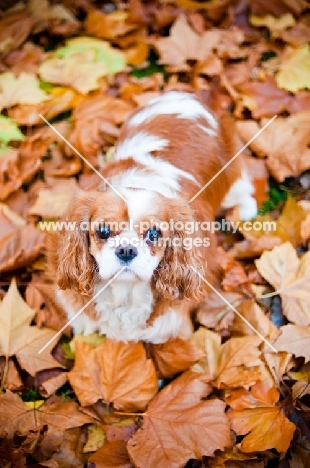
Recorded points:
(115, 372)
(15, 27)
(289, 276)
(262, 98)
(61, 100)
(81, 63)
(277, 7)
(40, 296)
(185, 44)
(108, 26)
(21, 90)
(208, 342)
(55, 412)
(18, 338)
(13, 380)
(234, 364)
(215, 313)
(253, 314)
(96, 438)
(61, 193)
(90, 116)
(27, 59)
(284, 142)
(112, 455)
(294, 69)
(298, 35)
(20, 248)
(294, 339)
(239, 361)
(276, 25)
(178, 417)
(9, 130)
(50, 380)
(70, 452)
(174, 356)
(255, 413)
(46, 15)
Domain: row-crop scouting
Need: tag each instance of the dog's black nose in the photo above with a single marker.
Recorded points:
(126, 253)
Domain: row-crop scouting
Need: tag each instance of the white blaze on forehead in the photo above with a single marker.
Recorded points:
(184, 105)
(140, 203)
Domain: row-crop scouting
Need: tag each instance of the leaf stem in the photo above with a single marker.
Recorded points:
(5, 373)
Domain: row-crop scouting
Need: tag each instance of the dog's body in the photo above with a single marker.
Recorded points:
(167, 152)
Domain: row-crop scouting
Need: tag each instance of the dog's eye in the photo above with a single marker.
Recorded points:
(103, 232)
(153, 235)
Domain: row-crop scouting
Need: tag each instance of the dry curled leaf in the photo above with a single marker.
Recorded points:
(18, 338)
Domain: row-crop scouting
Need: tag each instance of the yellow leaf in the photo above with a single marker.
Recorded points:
(274, 24)
(294, 70)
(34, 404)
(81, 63)
(21, 90)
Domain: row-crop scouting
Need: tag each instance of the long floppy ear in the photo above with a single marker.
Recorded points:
(177, 274)
(74, 266)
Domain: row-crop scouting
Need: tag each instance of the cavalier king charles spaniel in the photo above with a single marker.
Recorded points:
(133, 267)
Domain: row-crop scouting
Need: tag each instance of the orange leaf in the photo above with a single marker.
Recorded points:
(115, 372)
(112, 455)
(178, 425)
(254, 413)
(174, 356)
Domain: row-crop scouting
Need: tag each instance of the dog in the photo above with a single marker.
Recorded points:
(135, 263)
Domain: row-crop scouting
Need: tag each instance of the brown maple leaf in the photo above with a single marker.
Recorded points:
(255, 413)
(178, 425)
(185, 44)
(115, 372)
(56, 412)
(285, 143)
(235, 363)
(18, 338)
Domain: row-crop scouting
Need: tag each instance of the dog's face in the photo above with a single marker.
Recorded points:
(140, 239)
(128, 236)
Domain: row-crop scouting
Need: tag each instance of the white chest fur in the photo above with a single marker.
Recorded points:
(123, 311)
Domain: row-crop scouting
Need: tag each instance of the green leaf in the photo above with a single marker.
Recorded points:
(9, 131)
(114, 59)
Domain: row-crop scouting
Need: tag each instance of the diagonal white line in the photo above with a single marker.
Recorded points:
(236, 311)
(81, 310)
(232, 159)
(82, 157)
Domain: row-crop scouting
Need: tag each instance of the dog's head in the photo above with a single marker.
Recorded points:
(147, 238)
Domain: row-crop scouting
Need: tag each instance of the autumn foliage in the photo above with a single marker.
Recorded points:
(236, 395)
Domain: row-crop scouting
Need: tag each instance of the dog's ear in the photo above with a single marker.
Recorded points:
(73, 264)
(182, 269)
